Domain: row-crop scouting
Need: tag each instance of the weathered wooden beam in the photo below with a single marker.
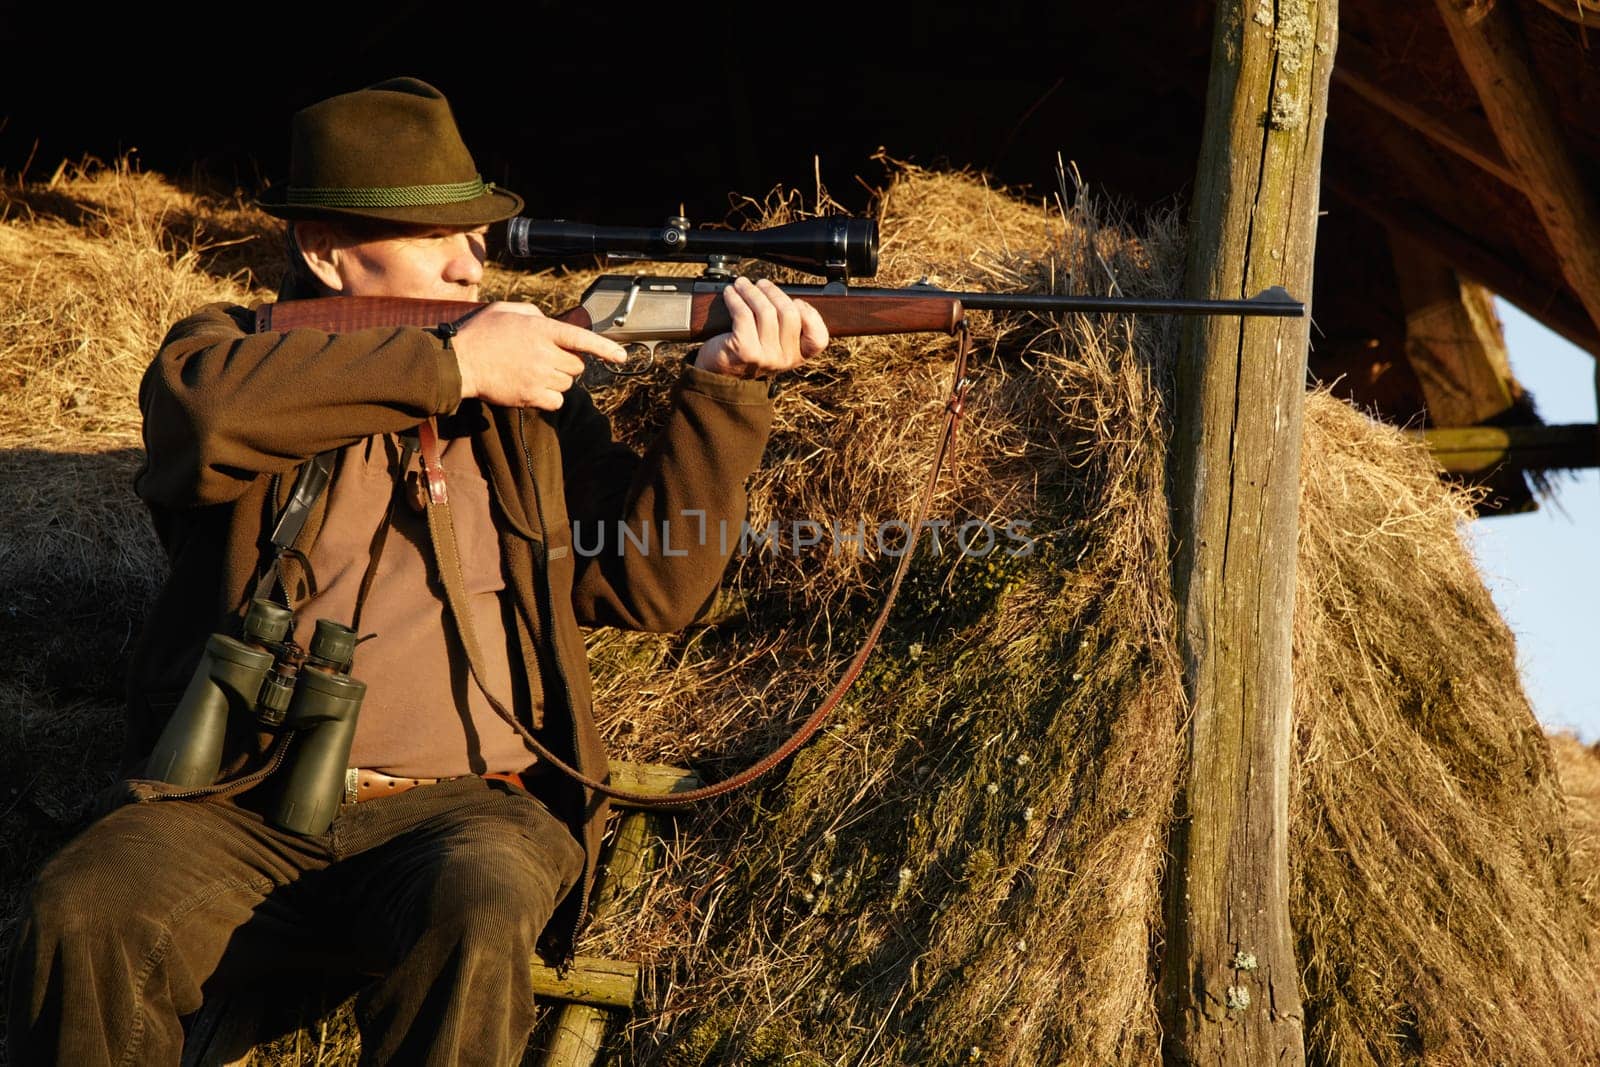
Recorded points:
(579, 1030)
(1453, 338)
(1463, 135)
(1489, 40)
(1230, 983)
(656, 779)
(1502, 272)
(590, 980)
(577, 1036)
(1476, 449)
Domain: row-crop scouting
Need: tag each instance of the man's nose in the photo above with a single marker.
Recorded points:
(465, 266)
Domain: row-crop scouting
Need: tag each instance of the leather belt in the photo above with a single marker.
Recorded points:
(363, 783)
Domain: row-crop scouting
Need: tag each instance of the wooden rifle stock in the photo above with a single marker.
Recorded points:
(846, 314)
(342, 314)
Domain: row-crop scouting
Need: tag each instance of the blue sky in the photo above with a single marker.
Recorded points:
(1543, 568)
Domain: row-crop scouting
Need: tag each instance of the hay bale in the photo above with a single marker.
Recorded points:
(983, 825)
(967, 865)
(1579, 767)
(913, 893)
(1439, 912)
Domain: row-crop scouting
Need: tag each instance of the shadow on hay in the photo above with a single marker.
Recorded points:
(78, 563)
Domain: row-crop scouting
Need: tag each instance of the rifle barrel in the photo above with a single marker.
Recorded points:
(1275, 301)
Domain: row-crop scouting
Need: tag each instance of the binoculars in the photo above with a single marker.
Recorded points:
(263, 677)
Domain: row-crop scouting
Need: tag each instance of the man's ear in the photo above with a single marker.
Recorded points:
(319, 247)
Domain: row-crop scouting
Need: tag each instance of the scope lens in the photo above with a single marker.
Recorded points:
(861, 247)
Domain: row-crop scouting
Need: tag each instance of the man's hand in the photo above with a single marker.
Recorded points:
(772, 332)
(512, 356)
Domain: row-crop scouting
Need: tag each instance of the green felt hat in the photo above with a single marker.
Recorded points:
(390, 151)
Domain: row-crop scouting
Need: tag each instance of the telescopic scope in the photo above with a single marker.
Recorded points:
(837, 246)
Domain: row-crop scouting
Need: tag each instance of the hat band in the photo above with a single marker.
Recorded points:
(390, 196)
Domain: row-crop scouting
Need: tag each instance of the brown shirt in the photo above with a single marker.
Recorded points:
(424, 715)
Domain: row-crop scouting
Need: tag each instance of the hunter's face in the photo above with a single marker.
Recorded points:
(433, 262)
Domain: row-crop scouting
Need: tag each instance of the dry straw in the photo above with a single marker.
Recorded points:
(966, 865)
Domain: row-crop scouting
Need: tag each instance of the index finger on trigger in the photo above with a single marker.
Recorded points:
(577, 339)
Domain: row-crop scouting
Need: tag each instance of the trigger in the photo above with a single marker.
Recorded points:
(641, 357)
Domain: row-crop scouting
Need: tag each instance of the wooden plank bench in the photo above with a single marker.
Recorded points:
(580, 1025)
(593, 992)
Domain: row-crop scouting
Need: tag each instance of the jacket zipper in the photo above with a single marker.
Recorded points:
(546, 616)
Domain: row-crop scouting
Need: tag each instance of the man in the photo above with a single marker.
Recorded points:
(456, 849)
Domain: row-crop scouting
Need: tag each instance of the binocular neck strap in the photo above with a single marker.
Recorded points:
(309, 485)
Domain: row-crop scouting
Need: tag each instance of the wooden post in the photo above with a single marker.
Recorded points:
(1477, 449)
(1230, 985)
(580, 1028)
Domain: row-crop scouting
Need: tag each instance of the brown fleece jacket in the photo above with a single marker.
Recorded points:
(230, 415)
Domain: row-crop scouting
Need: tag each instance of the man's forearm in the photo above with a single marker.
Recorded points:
(222, 406)
(652, 558)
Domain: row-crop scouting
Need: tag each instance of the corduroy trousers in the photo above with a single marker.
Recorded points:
(439, 892)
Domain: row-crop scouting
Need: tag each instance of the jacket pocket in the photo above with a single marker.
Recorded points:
(476, 539)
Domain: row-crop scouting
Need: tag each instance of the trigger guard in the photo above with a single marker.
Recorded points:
(635, 364)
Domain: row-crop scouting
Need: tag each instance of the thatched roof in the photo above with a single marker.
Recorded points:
(1415, 179)
(1408, 145)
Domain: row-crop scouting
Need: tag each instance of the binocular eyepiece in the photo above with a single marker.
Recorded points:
(265, 681)
(836, 246)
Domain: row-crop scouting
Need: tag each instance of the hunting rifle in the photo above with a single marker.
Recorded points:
(639, 311)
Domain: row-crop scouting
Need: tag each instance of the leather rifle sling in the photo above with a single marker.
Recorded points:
(447, 556)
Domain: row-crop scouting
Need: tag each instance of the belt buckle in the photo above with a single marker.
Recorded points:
(351, 790)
